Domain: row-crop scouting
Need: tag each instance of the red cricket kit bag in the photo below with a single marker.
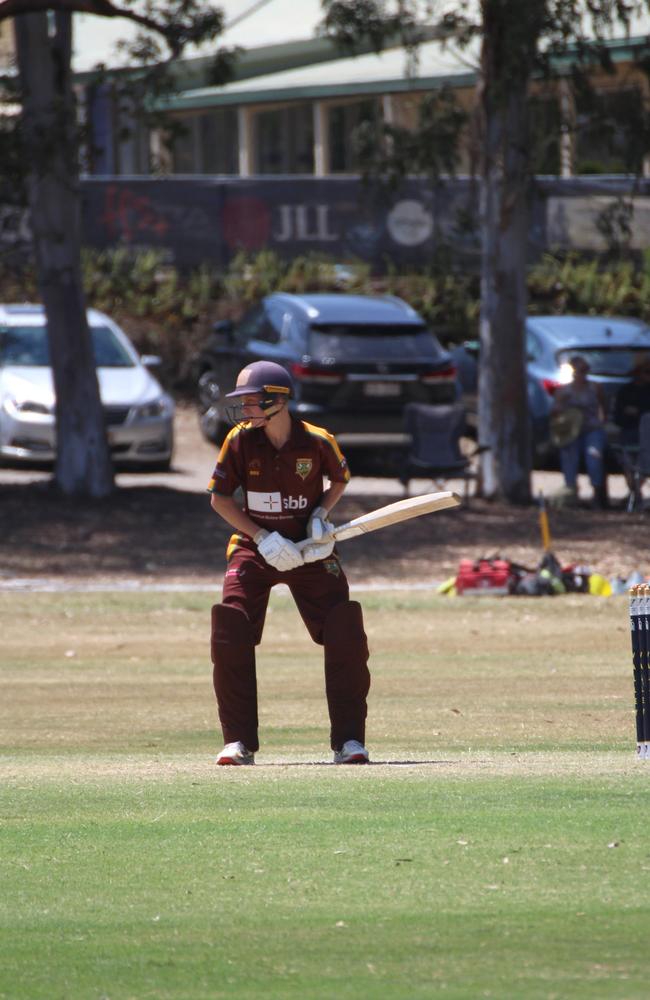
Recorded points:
(490, 577)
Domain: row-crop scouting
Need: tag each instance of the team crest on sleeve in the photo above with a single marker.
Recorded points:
(303, 467)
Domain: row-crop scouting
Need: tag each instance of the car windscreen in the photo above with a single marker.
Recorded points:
(613, 362)
(358, 342)
(26, 346)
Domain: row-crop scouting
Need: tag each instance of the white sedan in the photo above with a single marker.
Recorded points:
(139, 415)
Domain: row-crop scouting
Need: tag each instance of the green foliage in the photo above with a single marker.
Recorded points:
(449, 301)
(614, 224)
(251, 277)
(388, 154)
(573, 284)
(449, 297)
(366, 21)
(18, 283)
(169, 313)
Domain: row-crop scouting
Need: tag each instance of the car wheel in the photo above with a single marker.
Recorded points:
(213, 428)
(209, 391)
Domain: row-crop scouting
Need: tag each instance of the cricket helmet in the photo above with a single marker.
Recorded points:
(268, 379)
(265, 377)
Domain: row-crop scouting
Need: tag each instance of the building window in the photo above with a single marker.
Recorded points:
(116, 140)
(101, 145)
(610, 137)
(132, 148)
(208, 143)
(284, 140)
(343, 120)
(545, 134)
(219, 141)
(185, 152)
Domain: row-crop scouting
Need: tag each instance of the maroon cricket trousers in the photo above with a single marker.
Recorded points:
(321, 593)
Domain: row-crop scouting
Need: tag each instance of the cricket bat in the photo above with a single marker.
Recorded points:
(392, 513)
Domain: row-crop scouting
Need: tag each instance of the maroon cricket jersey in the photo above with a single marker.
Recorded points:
(281, 488)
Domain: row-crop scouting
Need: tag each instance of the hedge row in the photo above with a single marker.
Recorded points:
(169, 313)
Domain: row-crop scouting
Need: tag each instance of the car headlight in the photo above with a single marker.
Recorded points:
(149, 411)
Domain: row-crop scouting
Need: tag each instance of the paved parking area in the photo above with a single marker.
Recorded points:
(194, 461)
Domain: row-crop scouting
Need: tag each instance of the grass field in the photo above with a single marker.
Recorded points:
(497, 846)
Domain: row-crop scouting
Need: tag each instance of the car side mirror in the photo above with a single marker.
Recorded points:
(151, 360)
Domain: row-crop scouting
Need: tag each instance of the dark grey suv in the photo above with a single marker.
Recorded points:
(356, 361)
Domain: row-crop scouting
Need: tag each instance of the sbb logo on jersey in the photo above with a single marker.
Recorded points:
(274, 503)
(294, 503)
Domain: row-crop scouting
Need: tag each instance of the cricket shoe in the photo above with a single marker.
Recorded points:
(352, 752)
(235, 753)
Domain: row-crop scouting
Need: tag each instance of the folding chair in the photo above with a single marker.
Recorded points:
(435, 453)
(637, 463)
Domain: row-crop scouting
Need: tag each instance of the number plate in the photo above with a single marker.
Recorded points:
(382, 389)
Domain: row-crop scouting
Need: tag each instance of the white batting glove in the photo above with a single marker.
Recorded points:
(318, 526)
(277, 551)
(314, 551)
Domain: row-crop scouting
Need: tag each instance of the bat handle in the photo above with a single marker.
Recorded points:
(310, 541)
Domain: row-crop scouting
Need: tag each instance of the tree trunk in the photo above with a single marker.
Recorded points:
(43, 45)
(503, 404)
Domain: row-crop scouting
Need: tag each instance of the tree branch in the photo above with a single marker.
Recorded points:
(102, 8)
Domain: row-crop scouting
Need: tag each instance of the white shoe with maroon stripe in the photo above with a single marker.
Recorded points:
(235, 753)
(352, 752)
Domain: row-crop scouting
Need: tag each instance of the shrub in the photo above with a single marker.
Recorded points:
(170, 313)
(573, 284)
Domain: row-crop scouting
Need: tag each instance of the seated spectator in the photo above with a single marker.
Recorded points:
(585, 403)
(632, 401)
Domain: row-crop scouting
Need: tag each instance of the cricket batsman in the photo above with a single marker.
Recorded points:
(280, 464)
